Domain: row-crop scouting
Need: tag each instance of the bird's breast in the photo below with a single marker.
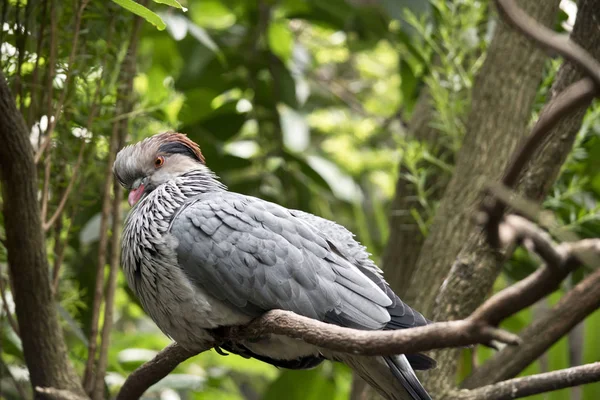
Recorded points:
(181, 309)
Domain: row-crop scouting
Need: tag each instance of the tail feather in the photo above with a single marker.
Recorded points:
(403, 371)
(392, 377)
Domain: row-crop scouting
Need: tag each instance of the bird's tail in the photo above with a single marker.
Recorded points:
(402, 370)
(391, 376)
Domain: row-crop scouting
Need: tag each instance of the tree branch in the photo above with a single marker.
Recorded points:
(154, 370)
(328, 336)
(473, 330)
(534, 384)
(538, 337)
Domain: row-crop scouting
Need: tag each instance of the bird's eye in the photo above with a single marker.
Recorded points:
(160, 160)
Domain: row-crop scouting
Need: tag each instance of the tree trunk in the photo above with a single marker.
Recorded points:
(43, 343)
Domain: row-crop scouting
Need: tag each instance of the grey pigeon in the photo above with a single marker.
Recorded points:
(200, 258)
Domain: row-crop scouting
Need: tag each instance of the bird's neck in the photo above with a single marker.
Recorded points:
(198, 181)
(188, 185)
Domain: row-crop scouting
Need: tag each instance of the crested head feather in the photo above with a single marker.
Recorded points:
(175, 142)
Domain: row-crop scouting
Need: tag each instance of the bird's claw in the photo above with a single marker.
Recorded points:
(220, 351)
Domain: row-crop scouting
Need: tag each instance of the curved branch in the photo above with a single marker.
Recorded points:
(560, 260)
(549, 39)
(154, 370)
(373, 343)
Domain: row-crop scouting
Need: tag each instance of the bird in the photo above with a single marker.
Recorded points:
(202, 258)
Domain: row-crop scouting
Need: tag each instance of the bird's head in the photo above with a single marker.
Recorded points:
(143, 166)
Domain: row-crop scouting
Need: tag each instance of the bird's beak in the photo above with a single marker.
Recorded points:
(135, 195)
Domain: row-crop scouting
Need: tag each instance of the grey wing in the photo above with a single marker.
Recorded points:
(257, 256)
(343, 240)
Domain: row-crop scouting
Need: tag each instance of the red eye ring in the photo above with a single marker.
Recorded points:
(160, 160)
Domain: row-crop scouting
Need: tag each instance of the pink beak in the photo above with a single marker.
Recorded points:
(135, 195)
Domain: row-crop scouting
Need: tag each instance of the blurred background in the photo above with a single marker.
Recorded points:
(305, 103)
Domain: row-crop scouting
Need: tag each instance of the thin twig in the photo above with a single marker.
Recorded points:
(60, 250)
(46, 186)
(89, 374)
(50, 73)
(63, 200)
(558, 43)
(91, 117)
(69, 76)
(21, 42)
(98, 392)
(516, 229)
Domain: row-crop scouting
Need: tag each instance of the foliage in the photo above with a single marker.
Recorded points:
(303, 103)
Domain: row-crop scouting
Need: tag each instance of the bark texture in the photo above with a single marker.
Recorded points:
(43, 343)
(476, 266)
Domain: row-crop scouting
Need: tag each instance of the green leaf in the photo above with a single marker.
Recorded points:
(408, 84)
(397, 8)
(284, 84)
(315, 386)
(73, 325)
(591, 352)
(222, 124)
(212, 14)
(307, 170)
(11, 343)
(197, 105)
(143, 12)
(281, 39)
(172, 3)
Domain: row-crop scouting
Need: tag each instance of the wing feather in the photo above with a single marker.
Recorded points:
(258, 256)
